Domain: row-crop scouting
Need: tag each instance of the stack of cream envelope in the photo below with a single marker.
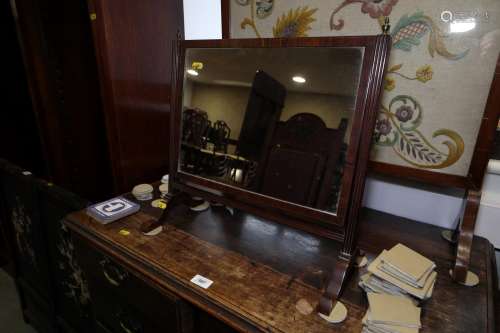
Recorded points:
(400, 272)
(391, 314)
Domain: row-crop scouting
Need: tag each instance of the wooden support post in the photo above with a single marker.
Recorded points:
(466, 235)
(335, 285)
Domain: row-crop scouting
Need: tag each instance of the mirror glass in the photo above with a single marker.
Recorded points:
(275, 121)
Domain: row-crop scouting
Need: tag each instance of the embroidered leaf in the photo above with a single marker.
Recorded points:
(397, 128)
(411, 29)
(296, 23)
(395, 68)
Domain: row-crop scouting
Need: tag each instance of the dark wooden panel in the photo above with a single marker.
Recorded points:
(18, 123)
(61, 69)
(70, 291)
(74, 72)
(133, 43)
(225, 18)
(496, 150)
(26, 228)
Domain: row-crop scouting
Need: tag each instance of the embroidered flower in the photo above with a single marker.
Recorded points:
(377, 8)
(295, 23)
(389, 83)
(383, 126)
(424, 73)
(404, 113)
(264, 8)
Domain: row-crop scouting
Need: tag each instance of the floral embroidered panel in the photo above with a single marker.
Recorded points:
(441, 67)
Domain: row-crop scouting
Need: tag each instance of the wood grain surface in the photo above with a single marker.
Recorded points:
(261, 270)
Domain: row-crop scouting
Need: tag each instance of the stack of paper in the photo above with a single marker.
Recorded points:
(400, 271)
(391, 314)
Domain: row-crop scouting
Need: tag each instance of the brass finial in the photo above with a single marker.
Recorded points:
(386, 26)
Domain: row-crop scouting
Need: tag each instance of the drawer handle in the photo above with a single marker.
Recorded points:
(112, 273)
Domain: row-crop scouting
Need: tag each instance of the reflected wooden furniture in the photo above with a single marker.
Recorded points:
(261, 269)
(316, 152)
(265, 103)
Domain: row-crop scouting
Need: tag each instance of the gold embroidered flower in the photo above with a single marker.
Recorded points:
(389, 83)
(295, 23)
(424, 73)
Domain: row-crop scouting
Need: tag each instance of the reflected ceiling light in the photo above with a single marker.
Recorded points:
(192, 72)
(462, 26)
(299, 79)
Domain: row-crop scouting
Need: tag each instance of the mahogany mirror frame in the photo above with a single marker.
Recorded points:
(339, 226)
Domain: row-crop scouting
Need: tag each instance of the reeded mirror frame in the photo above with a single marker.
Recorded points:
(332, 225)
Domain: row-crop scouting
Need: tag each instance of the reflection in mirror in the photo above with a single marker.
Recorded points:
(275, 121)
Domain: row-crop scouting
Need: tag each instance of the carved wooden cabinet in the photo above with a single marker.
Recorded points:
(123, 302)
(52, 289)
(27, 231)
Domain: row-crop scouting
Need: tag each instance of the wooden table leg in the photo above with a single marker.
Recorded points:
(343, 265)
(466, 236)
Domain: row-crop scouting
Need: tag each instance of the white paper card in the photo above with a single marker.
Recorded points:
(202, 281)
(112, 207)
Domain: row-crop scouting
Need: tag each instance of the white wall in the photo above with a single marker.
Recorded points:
(423, 203)
(202, 19)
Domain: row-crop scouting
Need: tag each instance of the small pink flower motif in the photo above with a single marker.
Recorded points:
(377, 8)
(383, 126)
(404, 113)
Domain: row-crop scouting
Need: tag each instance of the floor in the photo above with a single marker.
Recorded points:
(10, 310)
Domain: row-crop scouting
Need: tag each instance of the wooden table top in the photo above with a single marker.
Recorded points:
(261, 269)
